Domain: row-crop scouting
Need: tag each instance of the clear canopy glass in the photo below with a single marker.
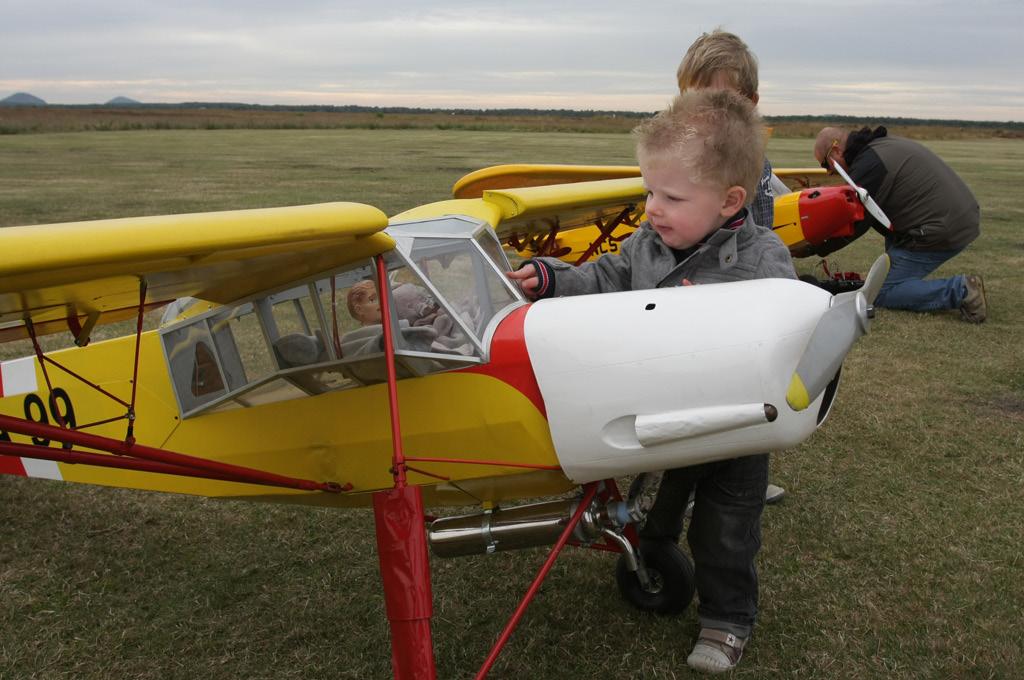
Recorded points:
(447, 288)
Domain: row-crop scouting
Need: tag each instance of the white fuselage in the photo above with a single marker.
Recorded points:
(657, 379)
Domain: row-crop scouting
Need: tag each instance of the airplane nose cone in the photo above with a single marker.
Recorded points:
(655, 379)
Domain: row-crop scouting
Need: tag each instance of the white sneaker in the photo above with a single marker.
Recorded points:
(716, 651)
(774, 494)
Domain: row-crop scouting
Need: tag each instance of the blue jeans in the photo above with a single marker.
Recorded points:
(724, 534)
(905, 287)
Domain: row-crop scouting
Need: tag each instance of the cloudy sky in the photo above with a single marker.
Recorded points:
(884, 58)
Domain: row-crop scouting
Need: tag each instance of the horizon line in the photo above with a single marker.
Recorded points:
(428, 109)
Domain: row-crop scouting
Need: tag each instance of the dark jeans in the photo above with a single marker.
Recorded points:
(906, 288)
(724, 534)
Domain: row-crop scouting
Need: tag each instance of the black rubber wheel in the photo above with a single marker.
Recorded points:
(671, 575)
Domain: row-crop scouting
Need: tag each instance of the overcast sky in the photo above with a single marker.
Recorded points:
(883, 58)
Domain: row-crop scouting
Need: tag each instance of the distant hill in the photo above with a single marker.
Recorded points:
(122, 101)
(22, 99)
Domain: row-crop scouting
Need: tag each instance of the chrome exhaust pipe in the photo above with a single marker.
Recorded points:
(524, 526)
(537, 524)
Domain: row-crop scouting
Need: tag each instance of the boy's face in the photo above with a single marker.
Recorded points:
(683, 212)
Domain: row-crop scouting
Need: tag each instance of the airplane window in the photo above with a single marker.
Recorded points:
(206, 377)
(500, 295)
(194, 369)
(351, 307)
(462, 274)
(356, 308)
(294, 329)
(241, 345)
(327, 335)
(427, 323)
(489, 243)
(300, 340)
(333, 294)
(291, 317)
(423, 325)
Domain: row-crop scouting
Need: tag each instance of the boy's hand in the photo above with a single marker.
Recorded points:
(527, 279)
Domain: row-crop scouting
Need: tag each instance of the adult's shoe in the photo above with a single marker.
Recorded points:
(974, 308)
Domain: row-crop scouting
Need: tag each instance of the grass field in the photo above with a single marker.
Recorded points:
(897, 553)
(17, 120)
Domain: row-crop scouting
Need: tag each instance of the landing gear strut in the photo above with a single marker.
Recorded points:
(669, 575)
(658, 577)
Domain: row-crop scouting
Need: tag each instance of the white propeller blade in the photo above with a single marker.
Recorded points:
(865, 198)
(842, 325)
(876, 275)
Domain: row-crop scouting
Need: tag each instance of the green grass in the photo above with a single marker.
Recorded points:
(79, 176)
(897, 553)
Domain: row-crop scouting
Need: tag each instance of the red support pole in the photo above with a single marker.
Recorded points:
(398, 457)
(588, 496)
(41, 358)
(405, 573)
(401, 539)
(104, 460)
(129, 436)
(237, 473)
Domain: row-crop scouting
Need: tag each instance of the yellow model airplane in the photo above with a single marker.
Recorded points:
(328, 355)
(803, 219)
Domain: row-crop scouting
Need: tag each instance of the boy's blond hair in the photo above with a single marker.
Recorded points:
(715, 134)
(719, 52)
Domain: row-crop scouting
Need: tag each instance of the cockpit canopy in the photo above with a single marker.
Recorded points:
(447, 289)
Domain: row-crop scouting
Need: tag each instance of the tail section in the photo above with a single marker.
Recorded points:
(18, 379)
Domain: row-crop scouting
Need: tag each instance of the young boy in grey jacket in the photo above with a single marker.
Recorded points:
(700, 159)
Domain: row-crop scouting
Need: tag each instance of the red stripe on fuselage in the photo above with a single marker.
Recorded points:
(510, 362)
(11, 465)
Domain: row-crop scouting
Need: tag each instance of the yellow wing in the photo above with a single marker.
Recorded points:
(521, 175)
(801, 177)
(565, 203)
(560, 210)
(572, 221)
(90, 272)
(569, 211)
